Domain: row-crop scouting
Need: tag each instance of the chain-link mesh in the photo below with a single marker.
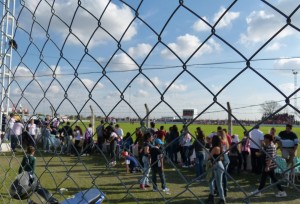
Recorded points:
(73, 56)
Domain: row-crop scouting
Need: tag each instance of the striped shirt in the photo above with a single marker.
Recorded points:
(271, 155)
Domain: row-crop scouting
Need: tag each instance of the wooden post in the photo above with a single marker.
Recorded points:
(229, 122)
(92, 120)
(147, 118)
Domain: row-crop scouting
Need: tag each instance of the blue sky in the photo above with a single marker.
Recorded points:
(89, 50)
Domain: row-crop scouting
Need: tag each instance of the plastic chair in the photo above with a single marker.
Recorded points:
(282, 168)
(296, 170)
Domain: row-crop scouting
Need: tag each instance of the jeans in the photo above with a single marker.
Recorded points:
(244, 155)
(113, 149)
(46, 144)
(264, 177)
(145, 179)
(161, 174)
(256, 161)
(225, 165)
(14, 141)
(218, 171)
(67, 144)
(186, 152)
(199, 163)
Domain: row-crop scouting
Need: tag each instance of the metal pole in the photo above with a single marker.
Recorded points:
(229, 119)
(7, 34)
(295, 88)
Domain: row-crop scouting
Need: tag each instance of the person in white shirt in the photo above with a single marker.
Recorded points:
(256, 144)
(16, 136)
(32, 132)
(119, 131)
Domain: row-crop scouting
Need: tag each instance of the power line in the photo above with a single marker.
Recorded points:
(161, 67)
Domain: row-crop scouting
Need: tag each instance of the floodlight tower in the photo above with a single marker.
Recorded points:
(7, 44)
(295, 88)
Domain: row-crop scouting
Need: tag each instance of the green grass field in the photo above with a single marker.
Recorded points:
(75, 173)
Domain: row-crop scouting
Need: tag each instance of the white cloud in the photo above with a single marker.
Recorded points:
(115, 20)
(274, 46)
(262, 26)
(141, 93)
(176, 87)
(90, 84)
(23, 72)
(287, 64)
(200, 25)
(227, 19)
(121, 62)
(141, 50)
(287, 88)
(187, 44)
(54, 89)
(143, 82)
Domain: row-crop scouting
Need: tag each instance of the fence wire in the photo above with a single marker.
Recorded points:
(49, 70)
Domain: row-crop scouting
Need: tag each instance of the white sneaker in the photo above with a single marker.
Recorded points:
(281, 194)
(255, 193)
(184, 166)
(165, 190)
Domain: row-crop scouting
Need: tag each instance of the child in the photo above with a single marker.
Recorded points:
(131, 163)
(157, 165)
(28, 162)
(269, 167)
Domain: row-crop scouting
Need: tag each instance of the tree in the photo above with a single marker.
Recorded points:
(269, 107)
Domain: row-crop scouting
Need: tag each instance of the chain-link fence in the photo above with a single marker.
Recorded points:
(133, 62)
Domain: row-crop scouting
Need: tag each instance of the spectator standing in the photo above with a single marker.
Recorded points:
(88, 140)
(16, 135)
(199, 146)
(120, 133)
(67, 133)
(113, 140)
(269, 165)
(186, 144)
(217, 168)
(168, 143)
(157, 165)
(229, 138)
(288, 144)
(32, 129)
(226, 161)
(78, 136)
(245, 149)
(153, 129)
(174, 135)
(46, 133)
(139, 141)
(161, 133)
(100, 134)
(256, 144)
(146, 160)
(11, 123)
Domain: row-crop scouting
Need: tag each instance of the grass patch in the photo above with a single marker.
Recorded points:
(80, 173)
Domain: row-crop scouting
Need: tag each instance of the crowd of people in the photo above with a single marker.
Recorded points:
(213, 156)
